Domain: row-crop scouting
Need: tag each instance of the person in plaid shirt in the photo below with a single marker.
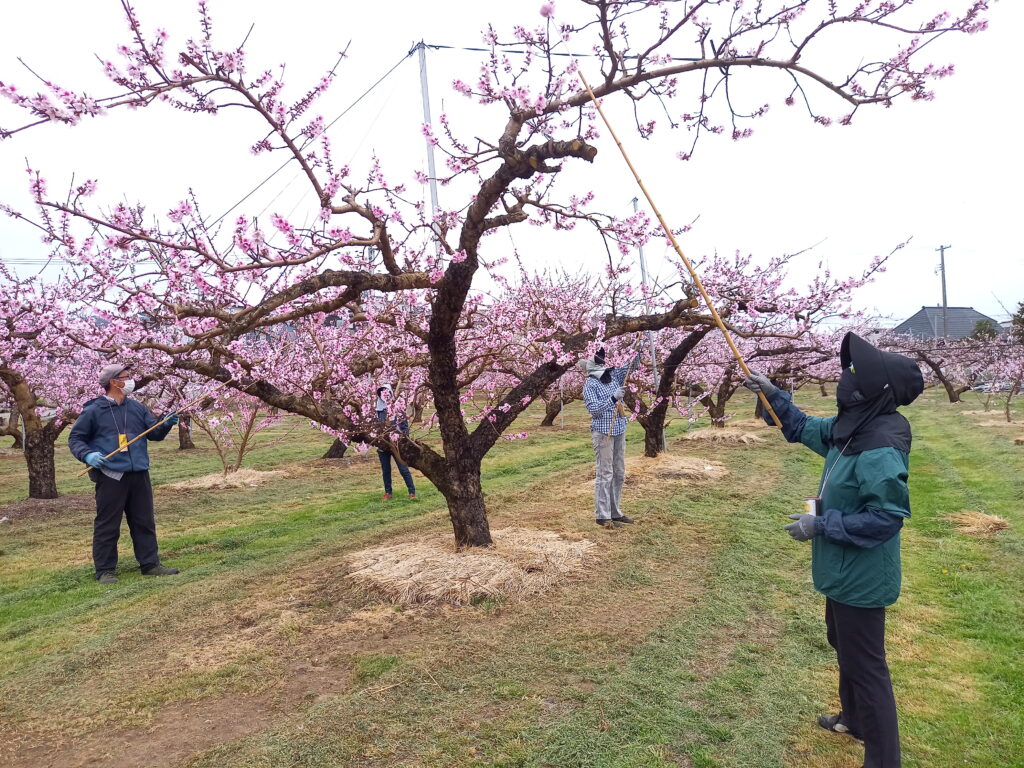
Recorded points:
(602, 393)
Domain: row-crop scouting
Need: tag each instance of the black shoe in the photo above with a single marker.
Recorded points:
(106, 577)
(835, 724)
(609, 524)
(160, 570)
(623, 519)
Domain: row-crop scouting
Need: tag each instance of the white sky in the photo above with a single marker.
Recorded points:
(946, 172)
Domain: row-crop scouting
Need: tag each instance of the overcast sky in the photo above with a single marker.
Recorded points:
(946, 172)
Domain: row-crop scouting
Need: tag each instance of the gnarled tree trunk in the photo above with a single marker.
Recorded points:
(11, 429)
(463, 492)
(552, 407)
(42, 473)
(653, 420)
(953, 391)
(185, 433)
(39, 436)
(336, 451)
(417, 413)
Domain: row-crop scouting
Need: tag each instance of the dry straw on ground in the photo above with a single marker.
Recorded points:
(243, 478)
(997, 423)
(642, 472)
(978, 523)
(727, 436)
(522, 562)
(641, 469)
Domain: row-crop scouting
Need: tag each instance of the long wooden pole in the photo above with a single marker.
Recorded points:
(620, 409)
(672, 238)
(165, 418)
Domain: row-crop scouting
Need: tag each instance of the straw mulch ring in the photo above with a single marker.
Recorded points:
(978, 523)
(243, 478)
(522, 562)
(641, 470)
(728, 436)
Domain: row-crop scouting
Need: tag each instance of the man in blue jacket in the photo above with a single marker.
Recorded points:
(122, 480)
(854, 529)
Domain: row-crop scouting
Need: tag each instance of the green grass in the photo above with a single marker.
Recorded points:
(696, 641)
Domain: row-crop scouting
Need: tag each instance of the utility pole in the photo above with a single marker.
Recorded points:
(942, 268)
(431, 172)
(650, 336)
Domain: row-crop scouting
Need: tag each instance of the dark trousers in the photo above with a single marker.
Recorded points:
(131, 496)
(865, 690)
(385, 470)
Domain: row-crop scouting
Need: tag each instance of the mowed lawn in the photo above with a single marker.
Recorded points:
(695, 640)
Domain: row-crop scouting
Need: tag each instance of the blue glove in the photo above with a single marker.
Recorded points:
(172, 419)
(95, 460)
(805, 528)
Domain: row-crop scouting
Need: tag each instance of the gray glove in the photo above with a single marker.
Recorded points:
(755, 382)
(805, 528)
(619, 394)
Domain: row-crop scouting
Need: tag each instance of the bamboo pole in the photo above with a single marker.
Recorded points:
(165, 418)
(672, 238)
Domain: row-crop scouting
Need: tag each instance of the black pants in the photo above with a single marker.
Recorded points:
(132, 496)
(865, 690)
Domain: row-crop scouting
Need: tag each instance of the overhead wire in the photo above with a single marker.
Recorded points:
(344, 112)
(363, 95)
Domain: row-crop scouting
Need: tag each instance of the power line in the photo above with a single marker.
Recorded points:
(523, 53)
(335, 120)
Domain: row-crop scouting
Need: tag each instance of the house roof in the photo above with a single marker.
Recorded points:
(927, 322)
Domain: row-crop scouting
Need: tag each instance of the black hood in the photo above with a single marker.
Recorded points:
(872, 385)
(875, 369)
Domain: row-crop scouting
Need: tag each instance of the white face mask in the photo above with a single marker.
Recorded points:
(129, 386)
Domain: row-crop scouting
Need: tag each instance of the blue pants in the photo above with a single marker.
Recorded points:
(385, 469)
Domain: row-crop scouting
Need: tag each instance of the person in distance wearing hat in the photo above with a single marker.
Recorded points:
(603, 390)
(854, 530)
(122, 480)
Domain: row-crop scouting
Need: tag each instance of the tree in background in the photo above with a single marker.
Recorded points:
(1017, 324)
(47, 376)
(985, 330)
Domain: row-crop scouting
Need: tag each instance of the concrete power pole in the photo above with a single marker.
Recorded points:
(650, 336)
(431, 172)
(942, 268)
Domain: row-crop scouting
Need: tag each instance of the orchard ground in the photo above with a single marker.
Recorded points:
(696, 640)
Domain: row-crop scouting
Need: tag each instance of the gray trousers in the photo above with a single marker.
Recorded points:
(610, 453)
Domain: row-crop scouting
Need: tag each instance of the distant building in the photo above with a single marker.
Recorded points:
(927, 323)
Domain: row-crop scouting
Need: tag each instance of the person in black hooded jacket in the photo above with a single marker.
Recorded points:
(855, 532)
